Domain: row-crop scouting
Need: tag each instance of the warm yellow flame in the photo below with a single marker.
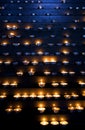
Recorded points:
(64, 122)
(54, 122)
(7, 62)
(71, 107)
(12, 33)
(40, 95)
(55, 109)
(56, 95)
(48, 95)
(41, 108)
(79, 107)
(4, 43)
(38, 42)
(41, 83)
(64, 72)
(27, 43)
(67, 96)
(35, 62)
(3, 95)
(20, 73)
(47, 72)
(25, 62)
(66, 52)
(31, 71)
(14, 83)
(33, 95)
(44, 122)
(9, 109)
(64, 83)
(55, 84)
(81, 82)
(17, 108)
(28, 27)
(74, 95)
(17, 95)
(25, 95)
(83, 93)
(5, 83)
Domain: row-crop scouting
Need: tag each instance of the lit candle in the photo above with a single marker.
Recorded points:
(54, 122)
(31, 71)
(41, 83)
(44, 122)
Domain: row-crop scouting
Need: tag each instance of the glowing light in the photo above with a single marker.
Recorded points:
(64, 83)
(79, 107)
(65, 62)
(33, 95)
(44, 122)
(55, 84)
(49, 60)
(6, 83)
(11, 26)
(55, 109)
(63, 122)
(74, 95)
(38, 42)
(71, 108)
(66, 42)
(53, 60)
(56, 95)
(40, 95)
(27, 43)
(34, 62)
(41, 83)
(8, 26)
(14, 83)
(14, 26)
(7, 62)
(46, 60)
(20, 73)
(3, 95)
(4, 43)
(66, 52)
(17, 108)
(17, 95)
(41, 108)
(25, 95)
(28, 27)
(83, 93)
(9, 109)
(67, 96)
(1, 61)
(64, 72)
(31, 71)
(25, 62)
(47, 72)
(40, 52)
(54, 122)
(71, 72)
(48, 95)
(12, 34)
(81, 82)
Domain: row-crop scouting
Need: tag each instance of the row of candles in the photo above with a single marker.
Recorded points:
(41, 83)
(12, 26)
(41, 94)
(46, 60)
(55, 108)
